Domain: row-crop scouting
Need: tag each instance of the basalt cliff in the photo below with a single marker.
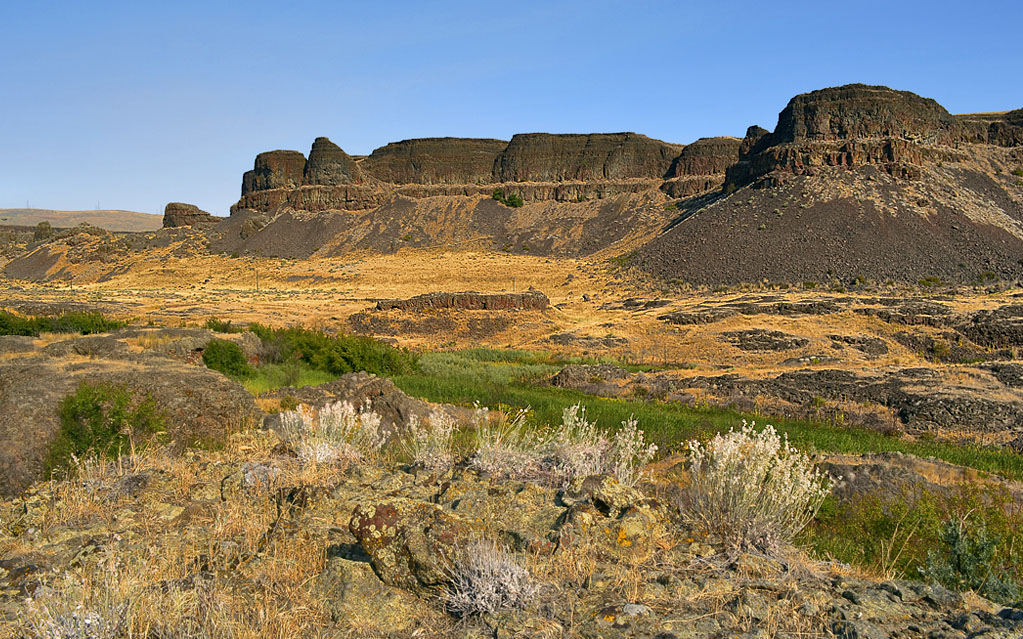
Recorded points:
(854, 182)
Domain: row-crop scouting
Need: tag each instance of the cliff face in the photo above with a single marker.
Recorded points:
(435, 161)
(275, 170)
(849, 126)
(1001, 129)
(543, 157)
(535, 166)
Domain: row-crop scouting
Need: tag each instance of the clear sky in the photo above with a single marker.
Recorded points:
(130, 105)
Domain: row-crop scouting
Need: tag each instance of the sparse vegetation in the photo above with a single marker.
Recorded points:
(960, 538)
(513, 200)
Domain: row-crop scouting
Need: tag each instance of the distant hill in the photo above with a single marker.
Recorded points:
(109, 220)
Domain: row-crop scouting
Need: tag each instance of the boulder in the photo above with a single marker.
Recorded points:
(178, 214)
(411, 544)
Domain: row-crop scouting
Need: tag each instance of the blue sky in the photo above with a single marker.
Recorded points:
(132, 105)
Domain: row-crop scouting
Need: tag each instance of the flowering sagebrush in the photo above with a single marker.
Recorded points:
(336, 431)
(577, 448)
(430, 444)
(73, 608)
(752, 489)
(487, 581)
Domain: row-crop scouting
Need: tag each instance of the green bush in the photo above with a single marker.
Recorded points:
(514, 200)
(965, 560)
(84, 323)
(103, 420)
(221, 326)
(337, 354)
(226, 357)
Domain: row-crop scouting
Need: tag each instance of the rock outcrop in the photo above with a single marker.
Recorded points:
(328, 165)
(706, 156)
(534, 166)
(436, 161)
(469, 300)
(849, 125)
(275, 170)
(701, 166)
(178, 214)
(545, 157)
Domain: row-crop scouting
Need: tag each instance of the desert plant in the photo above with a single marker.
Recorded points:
(84, 605)
(334, 432)
(752, 489)
(488, 580)
(966, 561)
(335, 354)
(430, 444)
(222, 326)
(226, 357)
(44, 231)
(101, 420)
(513, 200)
(505, 447)
(576, 448)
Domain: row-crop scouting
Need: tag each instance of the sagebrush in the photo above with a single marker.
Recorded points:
(751, 489)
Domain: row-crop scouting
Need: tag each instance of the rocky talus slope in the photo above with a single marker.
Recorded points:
(858, 181)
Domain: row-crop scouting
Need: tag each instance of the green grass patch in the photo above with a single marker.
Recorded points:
(32, 326)
(271, 376)
(496, 378)
(904, 535)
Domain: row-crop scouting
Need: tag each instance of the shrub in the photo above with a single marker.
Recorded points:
(337, 354)
(71, 609)
(488, 580)
(102, 420)
(751, 489)
(431, 444)
(577, 448)
(84, 323)
(514, 200)
(44, 231)
(335, 432)
(227, 358)
(966, 561)
(221, 326)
